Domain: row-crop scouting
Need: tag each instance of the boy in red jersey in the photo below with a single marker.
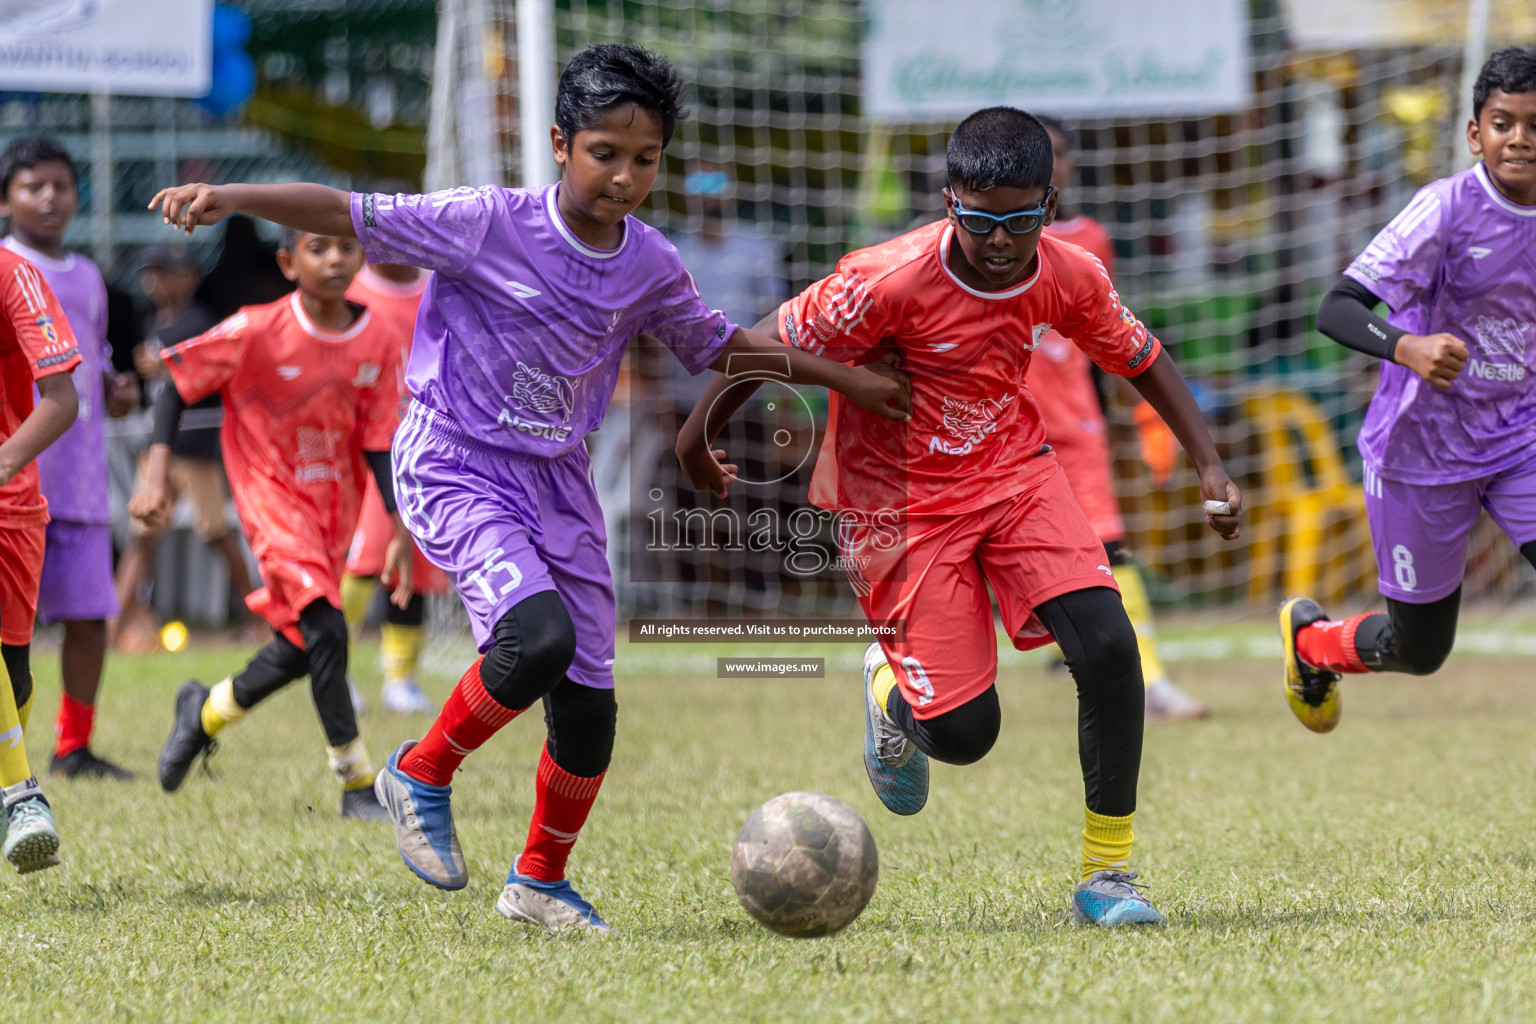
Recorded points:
(36, 345)
(968, 494)
(1061, 379)
(392, 291)
(311, 388)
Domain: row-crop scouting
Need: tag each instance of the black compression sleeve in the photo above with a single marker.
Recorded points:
(1348, 316)
(379, 463)
(168, 410)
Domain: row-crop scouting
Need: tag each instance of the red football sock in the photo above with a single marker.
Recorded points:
(73, 725)
(1331, 645)
(560, 807)
(470, 716)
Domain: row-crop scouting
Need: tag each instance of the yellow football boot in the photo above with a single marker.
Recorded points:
(1312, 693)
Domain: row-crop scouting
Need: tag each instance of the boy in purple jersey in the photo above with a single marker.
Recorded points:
(535, 295)
(38, 195)
(1449, 431)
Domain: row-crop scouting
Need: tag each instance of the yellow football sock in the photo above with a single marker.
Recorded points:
(1133, 594)
(13, 752)
(220, 708)
(24, 710)
(882, 685)
(1106, 842)
(351, 765)
(399, 650)
(356, 596)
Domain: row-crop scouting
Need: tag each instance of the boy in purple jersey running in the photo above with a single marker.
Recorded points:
(39, 197)
(1449, 431)
(535, 295)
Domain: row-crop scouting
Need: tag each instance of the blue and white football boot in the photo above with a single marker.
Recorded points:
(1112, 898)
(31, 838)
(424, 832)
(554, 905)
(898, 771)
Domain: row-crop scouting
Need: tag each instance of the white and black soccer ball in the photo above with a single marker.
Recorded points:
(804, 865)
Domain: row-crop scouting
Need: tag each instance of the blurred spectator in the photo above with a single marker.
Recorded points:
(246, 272)
(737, 266)
(171, 277)
(123, 329)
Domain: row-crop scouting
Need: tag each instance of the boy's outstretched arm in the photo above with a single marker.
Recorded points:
(316, 209)
(752, 356)
(1164, 388)
(57, 405)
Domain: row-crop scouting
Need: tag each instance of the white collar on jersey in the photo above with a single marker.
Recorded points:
(314, 330)
(575, 243)
(61, 263)
(384, 286)
(1481, 170)
(1012, 293)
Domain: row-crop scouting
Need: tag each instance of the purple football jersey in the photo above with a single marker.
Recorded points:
(521, 332)
(73, 470)
(1459, 259)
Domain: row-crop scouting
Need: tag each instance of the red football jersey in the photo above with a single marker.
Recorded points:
(391, 300)
(35, 341)
(975, 429)
(301, 405)
(1061, 379)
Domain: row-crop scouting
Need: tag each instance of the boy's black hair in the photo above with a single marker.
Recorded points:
(288, 238)
(1511, 70)
(999, 147)
(29, 152)
(608, 75)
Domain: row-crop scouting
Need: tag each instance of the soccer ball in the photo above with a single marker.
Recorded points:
(804, 865)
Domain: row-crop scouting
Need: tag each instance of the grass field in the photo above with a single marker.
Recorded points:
(1385, 872)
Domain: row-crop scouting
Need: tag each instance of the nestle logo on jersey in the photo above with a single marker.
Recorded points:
(1495, 371)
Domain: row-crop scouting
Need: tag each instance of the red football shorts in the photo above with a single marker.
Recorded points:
(374, 532)
(932, 573)
(21, 572)
(293, 582)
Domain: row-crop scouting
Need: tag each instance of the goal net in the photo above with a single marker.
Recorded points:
(1231, 215)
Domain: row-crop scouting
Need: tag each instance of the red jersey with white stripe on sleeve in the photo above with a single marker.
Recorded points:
(301, 405)
(975, 430)
(35, 342)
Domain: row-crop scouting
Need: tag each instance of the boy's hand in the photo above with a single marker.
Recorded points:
(152, 506)
(703, 468)
(1438, 358)
(122, 395)
(1215, 485)
(398, 570)
(148, 362)
(187, 206)
(882, 389)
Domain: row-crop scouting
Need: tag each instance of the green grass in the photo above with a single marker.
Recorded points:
(1386, 872)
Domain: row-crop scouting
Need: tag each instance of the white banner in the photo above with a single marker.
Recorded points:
(129, 47)
(927, 61)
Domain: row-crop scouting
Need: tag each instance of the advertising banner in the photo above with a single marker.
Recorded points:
(1081, 58)
(127, 47)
